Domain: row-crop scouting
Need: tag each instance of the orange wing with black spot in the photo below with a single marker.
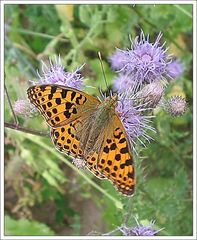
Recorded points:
(115, 160)
(61, 105)
(67, 140)
(65, 110)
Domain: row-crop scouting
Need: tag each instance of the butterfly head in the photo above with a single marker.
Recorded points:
(111, 100)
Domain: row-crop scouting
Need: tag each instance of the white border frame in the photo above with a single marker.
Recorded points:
(3, 2)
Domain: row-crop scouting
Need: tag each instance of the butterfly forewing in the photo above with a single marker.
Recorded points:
(61, 105)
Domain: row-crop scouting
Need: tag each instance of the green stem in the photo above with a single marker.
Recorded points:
(26, 130)
(84, 41)
(28, 32)
(73, 38)
(183, 10)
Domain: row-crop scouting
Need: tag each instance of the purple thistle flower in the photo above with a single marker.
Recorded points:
(175, 106)
(24, 108)
(118, 59)
(122, 82)
(55, 74)
(134, 122)
(175, 69)
(145, 62)
(140, 230)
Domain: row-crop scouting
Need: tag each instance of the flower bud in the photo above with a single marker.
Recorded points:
(24, 108)
(175, 106)
(151, 94)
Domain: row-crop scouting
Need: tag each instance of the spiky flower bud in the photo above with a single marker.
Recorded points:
(150, 95)
(24, 108)
(79, 163)
(175, 106)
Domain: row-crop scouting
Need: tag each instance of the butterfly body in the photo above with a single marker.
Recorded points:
(84, 127)
(96, 124)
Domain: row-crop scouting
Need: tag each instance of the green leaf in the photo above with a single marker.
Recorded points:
(24, 227)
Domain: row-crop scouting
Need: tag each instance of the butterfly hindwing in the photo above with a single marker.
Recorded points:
(115, 159)
(60, 105)
(67, 140)
(91, 165)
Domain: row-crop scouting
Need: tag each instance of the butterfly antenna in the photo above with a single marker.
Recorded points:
(102, 67)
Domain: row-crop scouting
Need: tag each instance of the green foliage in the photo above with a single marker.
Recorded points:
(24, 227)
(170, 16)
(38, 175)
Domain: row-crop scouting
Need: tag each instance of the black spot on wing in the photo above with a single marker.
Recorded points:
(54, 110)
(50, 96)
(73, 95)
(128, 162)
(113, 146)
(64, 93)
(118, 135)
(58, 101)
(49, 114)
(42, 88)
(53, 89)
(49, 104)
(117, 157)
(122, 140)
(106, 149)
(69, 105)
(124, 150)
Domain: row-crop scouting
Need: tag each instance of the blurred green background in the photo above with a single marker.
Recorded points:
(44, 193)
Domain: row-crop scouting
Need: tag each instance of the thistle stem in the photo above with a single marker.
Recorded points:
(26, 130)
(38, 34)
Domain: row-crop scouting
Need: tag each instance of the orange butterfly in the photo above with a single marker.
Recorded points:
(84, 127)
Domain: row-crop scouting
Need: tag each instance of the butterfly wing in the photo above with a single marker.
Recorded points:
(65, 109)
(115, 160)
(61, 105)
(67, 140)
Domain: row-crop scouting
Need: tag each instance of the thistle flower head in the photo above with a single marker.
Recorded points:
(55, 74)
(24, 108)
(175, 106)
(134, 122)
(118, 59)
(122, 82)
(145, 62)
(175, 69)
(140, 230)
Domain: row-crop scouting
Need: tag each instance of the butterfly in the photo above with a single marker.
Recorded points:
(84, 127)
